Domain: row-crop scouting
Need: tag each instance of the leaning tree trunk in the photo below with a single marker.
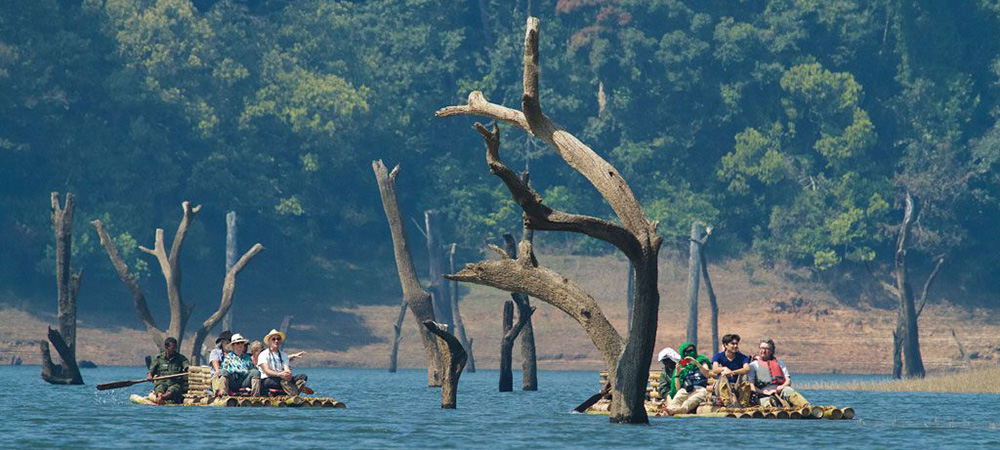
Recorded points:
(397, 335)
(694, 270)
(457, 315)
(453, 358)
(435, 254)
(228, 288)
(227, 320)
(630, 292)
(416, 297)
(633, 233)
(169, 266)
(912, 361)
(711, 294)
(67, 288)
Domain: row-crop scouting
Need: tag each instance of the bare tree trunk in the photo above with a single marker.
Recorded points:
(286, 322)
(435, 254)
(630, 291)
(529, 361)
(228, 288)
(67, 288)
(227, 320)
(694, 270)
(397, 335)
(912, 361)
(459, 323)
(633, 234)
(416, 298)
(506, 345)
(897, 348)
(453, 358)
(712, 300)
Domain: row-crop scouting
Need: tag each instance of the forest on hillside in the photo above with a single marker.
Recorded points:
(795, 128)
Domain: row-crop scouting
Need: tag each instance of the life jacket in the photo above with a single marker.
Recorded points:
(777, 375)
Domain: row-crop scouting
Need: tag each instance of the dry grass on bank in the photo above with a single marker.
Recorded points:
(984, 381)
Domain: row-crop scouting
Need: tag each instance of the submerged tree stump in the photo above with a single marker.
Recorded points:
(68, 288)
(453, 359)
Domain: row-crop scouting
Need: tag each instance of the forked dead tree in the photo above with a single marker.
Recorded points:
(416, 297)
(453, 358)
(67, 288)
(397, 335)
(627, 360)
(511, 331)
(228, 287)
(171, 269)
(459, 323)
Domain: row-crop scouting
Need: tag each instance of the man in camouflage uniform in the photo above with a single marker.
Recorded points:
(169, 363)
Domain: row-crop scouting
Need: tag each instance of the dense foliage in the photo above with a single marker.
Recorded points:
(792, 126)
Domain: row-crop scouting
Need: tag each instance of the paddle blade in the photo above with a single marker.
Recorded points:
(117, 384)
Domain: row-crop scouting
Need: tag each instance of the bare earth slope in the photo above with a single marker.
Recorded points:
(813, 332)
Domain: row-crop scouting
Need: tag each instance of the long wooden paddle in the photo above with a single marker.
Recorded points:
(593, 399)
(121, 384)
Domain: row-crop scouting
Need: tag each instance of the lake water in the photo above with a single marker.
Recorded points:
(397, 410)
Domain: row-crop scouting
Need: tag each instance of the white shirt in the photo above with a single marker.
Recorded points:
(275, 361)
(216, 355)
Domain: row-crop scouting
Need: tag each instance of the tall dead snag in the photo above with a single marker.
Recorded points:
(67, 288)
(228, 287)
(227, 320)
(694, 271)
(171, 269)
(397, 335)
(416, 297)
(457, 316)
(708, 289)
(627, 362)
(529, 360)
(510, 330)
(435, 254)
(453, 358)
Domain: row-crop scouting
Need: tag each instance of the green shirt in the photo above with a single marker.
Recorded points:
(162, 366)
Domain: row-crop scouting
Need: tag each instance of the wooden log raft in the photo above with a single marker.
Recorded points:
(654, 403)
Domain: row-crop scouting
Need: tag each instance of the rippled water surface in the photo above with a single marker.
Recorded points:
(397, 410)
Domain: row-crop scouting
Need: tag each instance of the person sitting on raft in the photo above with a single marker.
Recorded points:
(690, 381)
(168, 363)
(669, 358)
(770, 379)
(730, 362)
(255, 348)
(215, 362)
(274, 368)
(238, 368)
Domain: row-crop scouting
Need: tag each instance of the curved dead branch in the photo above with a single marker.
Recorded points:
(228, 288)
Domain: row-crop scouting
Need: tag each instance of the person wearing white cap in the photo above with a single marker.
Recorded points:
(274, 369)
(669, 358)
(237, 368)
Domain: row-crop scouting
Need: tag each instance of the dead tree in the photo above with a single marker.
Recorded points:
(171, 269)
(510, 330)
(713, 302)
(694, 271)
(435, 254)
(227, 320)
(529, 360)
(67, 288)
(457, 316)
(228, 287)
(453, 358)
(286, 322)
(397, 335)
(629, 291)
(416, 297)
(627, 361)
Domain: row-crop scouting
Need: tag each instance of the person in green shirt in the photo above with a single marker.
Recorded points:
(169, 362)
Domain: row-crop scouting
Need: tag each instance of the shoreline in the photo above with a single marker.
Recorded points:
(972, 381)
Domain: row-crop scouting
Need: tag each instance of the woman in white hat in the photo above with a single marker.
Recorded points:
(238, 368)
(274, 369)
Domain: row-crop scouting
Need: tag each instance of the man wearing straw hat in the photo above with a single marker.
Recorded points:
(275, 373)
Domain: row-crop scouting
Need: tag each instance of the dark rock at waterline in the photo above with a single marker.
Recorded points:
(87, 364)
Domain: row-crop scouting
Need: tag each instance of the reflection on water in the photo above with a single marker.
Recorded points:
(397, 410)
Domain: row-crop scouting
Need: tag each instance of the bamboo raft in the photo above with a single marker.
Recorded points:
(199, 393)
(654, 403)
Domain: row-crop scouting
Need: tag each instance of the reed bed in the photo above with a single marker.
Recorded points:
(984, 381)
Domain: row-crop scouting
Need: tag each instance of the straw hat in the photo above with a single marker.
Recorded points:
(274, 332)
(238, 338)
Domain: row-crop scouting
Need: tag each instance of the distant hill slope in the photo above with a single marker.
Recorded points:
(814, 333)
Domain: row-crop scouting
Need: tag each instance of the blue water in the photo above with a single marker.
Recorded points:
(397, 410)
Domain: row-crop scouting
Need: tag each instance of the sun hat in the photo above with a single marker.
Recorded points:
(238, 338)
(223, 336)
(668, 353)
(274, 332)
